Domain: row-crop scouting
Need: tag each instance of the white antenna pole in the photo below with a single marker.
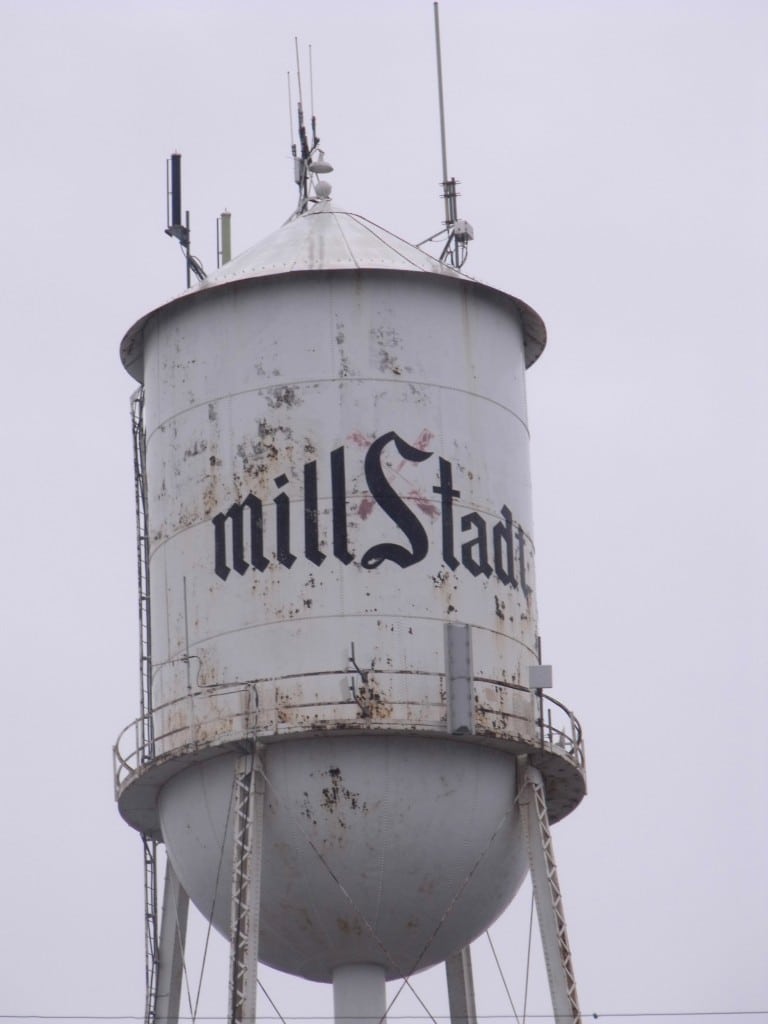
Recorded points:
(298, 69)
(311, 87)
(290, 115)
(459, 231)
(440, 91)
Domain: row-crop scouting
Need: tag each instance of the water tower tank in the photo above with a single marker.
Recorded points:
(341, 568)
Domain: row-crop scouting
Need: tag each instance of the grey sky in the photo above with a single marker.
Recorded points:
(613, 161)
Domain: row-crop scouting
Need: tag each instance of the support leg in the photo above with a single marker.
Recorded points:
(173, 935)
(246, 888)
(549, 902)
(461, 988)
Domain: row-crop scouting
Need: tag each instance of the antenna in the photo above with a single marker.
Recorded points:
(175, 227)
(312, 99)
(308, 160)
(174, 218)
(224, 238)
(459, 232)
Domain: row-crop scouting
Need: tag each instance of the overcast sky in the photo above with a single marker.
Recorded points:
(613, 159)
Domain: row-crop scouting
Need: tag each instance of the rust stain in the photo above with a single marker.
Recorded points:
(426, 505)
(365, 508)
(359, 439)
(424, 439)
(197, 449)
(284, 395)
(370, 699)
(349, 927)
(337, 798)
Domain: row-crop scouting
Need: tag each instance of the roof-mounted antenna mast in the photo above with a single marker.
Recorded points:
(459, 232)
(176, 228)
(308, 159)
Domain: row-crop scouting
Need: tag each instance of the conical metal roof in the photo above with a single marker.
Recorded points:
(325, 239)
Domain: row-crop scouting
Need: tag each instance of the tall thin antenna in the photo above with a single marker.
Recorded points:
(440, 90)
(308, 159)
(312, 99)
(459, 232)
(298, 74)
(290, 115)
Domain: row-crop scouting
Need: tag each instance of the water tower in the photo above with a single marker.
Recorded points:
(345, 742)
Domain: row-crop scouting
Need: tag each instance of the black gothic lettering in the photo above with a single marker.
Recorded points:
(397, 510)
(283, 506)
(311, 539)
(506, 538)
(503, 549)
(235, 515)
(447, 494)
(480, 564)
(339, 505)
(521, 560)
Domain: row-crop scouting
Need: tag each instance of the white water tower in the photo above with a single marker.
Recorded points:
(344, 742)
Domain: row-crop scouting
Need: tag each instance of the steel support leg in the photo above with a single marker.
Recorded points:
(173, 936)
(151, 942)
(461, 988)
(549, 901)
(246, 888)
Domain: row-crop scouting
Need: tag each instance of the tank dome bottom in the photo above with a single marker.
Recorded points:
(387, 850)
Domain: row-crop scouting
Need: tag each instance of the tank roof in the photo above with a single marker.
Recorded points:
(326, 239)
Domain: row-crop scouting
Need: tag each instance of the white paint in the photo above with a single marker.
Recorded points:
(250, 385)
(359, 994)
(324, 608)
(423, 836)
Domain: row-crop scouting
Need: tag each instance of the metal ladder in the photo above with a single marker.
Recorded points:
(146, 731)
(146, 728)
(548, 897)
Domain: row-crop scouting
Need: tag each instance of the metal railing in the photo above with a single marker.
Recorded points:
(557, 728)
(560, 730)
(131, 750)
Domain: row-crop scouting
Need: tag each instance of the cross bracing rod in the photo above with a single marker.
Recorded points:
(246, 887)
(548, 897)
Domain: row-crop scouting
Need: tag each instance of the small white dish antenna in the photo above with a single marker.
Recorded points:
(321, 165)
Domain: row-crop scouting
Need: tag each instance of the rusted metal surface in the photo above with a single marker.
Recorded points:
(365, 811)
(508, 717)
(328, 240)
(287, 445)
(337, 466)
